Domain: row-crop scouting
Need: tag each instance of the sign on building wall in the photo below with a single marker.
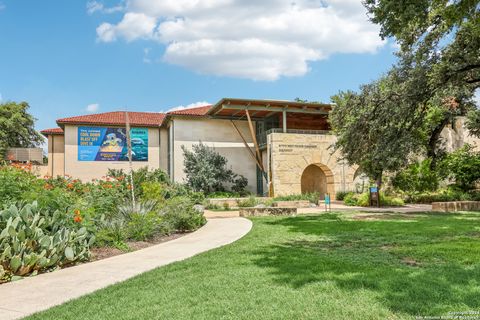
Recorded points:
(110, 144)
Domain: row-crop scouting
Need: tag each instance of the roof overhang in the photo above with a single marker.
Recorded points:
(236, 108)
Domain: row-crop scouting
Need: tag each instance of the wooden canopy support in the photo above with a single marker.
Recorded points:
(259, 163)
(254, 136)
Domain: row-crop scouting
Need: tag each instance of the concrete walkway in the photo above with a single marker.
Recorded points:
(30, 295)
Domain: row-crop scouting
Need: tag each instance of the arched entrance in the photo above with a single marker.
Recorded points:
(318, 178)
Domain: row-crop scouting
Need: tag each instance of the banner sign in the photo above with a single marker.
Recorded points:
(110, 144)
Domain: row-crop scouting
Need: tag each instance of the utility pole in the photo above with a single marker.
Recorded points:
(129, 148)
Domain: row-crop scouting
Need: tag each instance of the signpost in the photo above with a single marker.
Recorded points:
(328, 206)
(374, 196)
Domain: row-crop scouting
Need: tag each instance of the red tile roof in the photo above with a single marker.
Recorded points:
(197, 111)
(47, 132)
(147, 119)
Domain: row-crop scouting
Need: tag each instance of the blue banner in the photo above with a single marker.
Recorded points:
(110, 144)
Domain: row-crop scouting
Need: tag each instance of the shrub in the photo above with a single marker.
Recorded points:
(139, 177)
(143, 226)
(239, 184)
(14, 183)
(417, 178)
(181, 215)
(34, 240)
(154, 191)
(247, 203)
(340, 196)
(463, 166)
(112, 232)
(350, 199)
(312, 197)
(52, 199)
(362, 200)
(449, 194)
(207, 171)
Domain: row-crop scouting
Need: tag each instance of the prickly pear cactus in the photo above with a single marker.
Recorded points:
(32, 241)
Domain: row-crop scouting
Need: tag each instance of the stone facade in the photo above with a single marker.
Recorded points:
(291, 154)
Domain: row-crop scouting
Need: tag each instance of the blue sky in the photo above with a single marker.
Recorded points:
(56, 57)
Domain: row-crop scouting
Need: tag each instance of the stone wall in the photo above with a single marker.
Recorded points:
(454, 206)
(290, 154)
(267, 211)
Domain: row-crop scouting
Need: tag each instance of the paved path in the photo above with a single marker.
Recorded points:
(30, 295)
(410, 208)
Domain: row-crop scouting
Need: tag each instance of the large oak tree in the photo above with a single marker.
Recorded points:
(401, 115)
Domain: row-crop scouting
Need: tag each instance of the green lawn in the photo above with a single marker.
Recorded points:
(328, 266)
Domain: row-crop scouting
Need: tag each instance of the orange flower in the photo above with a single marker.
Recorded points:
(76, 212)
(70, 186)
(129, 187)
(47, 186)
(77, 219)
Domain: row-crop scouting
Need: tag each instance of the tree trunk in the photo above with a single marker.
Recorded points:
(432, 143)
(379, 185)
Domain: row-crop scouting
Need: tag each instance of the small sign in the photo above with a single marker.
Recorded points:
(327, 202)
(374, 196)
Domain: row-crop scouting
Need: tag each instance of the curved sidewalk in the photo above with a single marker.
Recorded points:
(30, 295)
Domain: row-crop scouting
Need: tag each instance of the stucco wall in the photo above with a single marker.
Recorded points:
(164, 149)
(56, 155)
(87, 170)
(291, 154)
(219, 134)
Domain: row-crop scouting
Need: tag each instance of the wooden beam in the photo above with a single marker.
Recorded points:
(254, 136)
(272, 109)
(259, 164)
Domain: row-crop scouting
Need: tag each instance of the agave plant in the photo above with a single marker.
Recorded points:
(141, 208)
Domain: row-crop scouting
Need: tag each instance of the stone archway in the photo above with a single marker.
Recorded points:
(318, 178)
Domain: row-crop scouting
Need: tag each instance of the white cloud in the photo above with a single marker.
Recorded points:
(146, 55)
(190, 106)
(133, 26)
(260, 40)
(95, 6)
(1, 98)
(92, 107)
